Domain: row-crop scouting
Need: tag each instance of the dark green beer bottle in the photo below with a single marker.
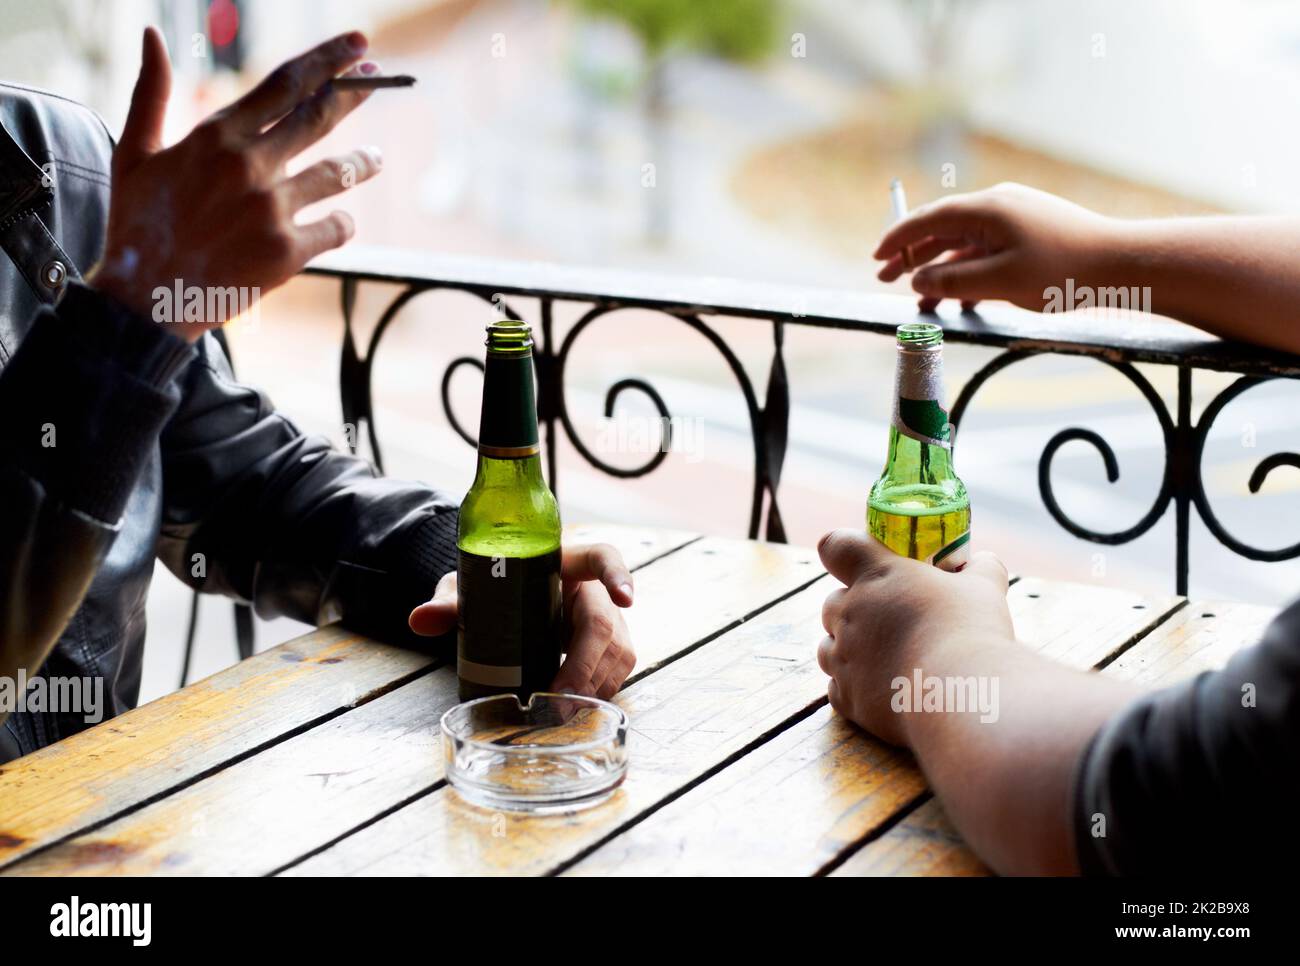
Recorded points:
(510, 628)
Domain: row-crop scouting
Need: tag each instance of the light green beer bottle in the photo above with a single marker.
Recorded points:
(509, 625)
(919, 508)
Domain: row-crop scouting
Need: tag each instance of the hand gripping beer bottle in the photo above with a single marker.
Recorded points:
(918, 507)
(509, 625)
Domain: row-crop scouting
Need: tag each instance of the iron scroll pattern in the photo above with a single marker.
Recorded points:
(1182, 482)
(768, 421)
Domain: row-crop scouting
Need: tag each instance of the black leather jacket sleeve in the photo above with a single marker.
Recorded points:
(1201, 778)
(84, 399)
(254, 509)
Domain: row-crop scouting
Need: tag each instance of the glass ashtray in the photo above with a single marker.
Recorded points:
(559, 752)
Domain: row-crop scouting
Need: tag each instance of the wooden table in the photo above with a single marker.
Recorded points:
(322, 756)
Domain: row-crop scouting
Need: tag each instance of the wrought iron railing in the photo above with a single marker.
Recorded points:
(1119, 342)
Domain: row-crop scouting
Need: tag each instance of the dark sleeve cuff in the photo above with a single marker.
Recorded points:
(115, 334)
(85, 397)
(377, 602)
(430, 551)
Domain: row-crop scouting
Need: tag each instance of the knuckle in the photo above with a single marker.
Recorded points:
(1000, 200)
(341, 224)
(1006, 191)
(209, 135)
(831, 607)
(833, 695)
(235, 166)
(857, 606)
(283, 81)
(267, 207)
(828, 653)
(883, 569)
(843, 625)
(333, 170)
(606, 553)
(957, 202)
(583, 668)
(927, 208)
(602, 625)
(281, 246)
(316, 112)
(334, 53)
(875, 573)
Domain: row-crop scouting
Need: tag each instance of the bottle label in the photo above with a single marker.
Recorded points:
(918, 410)
(508, 422)
(954, 556)
(509, 621)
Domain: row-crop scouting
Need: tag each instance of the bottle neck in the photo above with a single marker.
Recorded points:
(514, 472)
(508, 420)
(920, 435)
(918, 397)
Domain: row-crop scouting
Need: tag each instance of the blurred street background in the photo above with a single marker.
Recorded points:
(751, 139)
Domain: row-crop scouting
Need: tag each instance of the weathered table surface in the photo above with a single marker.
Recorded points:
(322, 756)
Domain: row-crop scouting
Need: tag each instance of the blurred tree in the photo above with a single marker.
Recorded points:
(742, 31)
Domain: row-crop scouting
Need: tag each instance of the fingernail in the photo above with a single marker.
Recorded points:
(376, 156)
(627, 589)
(369, 67)
(358, 42)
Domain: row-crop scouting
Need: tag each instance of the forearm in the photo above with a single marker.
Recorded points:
(1237, 277)
(84, 399)
(1007, 783)
(311, 535)
(257, 510)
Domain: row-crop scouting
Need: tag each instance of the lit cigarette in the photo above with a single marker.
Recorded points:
(898, 202)
(371, 83)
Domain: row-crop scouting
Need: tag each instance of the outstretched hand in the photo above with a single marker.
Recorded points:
(216, 210)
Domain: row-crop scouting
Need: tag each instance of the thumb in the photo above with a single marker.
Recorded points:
(438, 615)
(142, 133)
(848, 554)
(988, 566)
(967, 278)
